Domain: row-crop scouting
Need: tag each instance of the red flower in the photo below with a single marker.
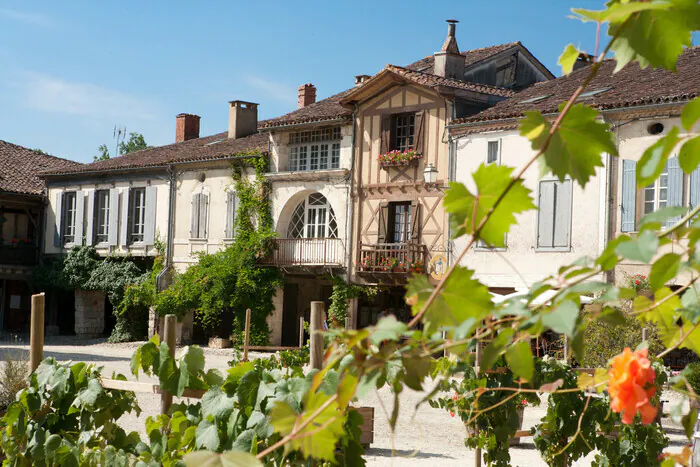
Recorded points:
(452, 414)
(455, 397)
(636, 282)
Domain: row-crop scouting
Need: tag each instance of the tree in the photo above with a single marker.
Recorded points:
(136, 142)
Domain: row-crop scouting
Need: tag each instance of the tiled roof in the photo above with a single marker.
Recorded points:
(420, 71)
(470, 56)
(19, 168)
(629, 87)
(431, 80)
(213, 147)
(326, 109)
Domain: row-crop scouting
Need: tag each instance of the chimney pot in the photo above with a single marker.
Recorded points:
(307, 95)
(359, 79)
(186, 127)
(583, 60)
(242, 119)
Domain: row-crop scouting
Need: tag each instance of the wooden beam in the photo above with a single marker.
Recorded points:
(36, 336)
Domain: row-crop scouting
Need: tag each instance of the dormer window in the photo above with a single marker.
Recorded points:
(314, 150)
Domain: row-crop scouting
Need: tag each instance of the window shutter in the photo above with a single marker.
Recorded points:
(383, 222)
(675, 187)
(90, 217)
(418, 128)
(230, 214)
(545, 220)
(695, 188)
(629, 196)
(562, 215)
(203, 214)
(385, 135)
(194, 219)
(415, 222)
(113, 217)
(124, 219)
(58, 213)
(79, 215)
(149, 227)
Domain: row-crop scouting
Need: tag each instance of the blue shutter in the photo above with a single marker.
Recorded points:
(124, 219)
(545, 216)
(113, 217)
(675, 187)
(629, 195)
(230, 214)
(79, 216)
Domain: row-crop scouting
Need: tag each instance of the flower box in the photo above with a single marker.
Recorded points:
(405, 158)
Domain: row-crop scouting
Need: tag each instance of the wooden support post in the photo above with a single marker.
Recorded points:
(169, 336)
(36, 336)
(301, 332)
(477, 368)
(316, 337)
(566, 349)
(246, 336)
(645, 334)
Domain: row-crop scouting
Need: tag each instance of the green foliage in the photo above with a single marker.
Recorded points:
(221, 286)
(341, 296)
(65, 417)
(606, 338)
(14, 372)
(692, 376)
(136, 142)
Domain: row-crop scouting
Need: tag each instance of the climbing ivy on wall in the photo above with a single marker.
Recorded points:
(341, 296)
(221, 286)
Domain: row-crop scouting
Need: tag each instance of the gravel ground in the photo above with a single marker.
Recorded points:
(424, 437)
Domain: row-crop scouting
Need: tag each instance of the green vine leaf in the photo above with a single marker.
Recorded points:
(520, 359)
(226, 459)
(642, 248)
(207, 436)
(568, 58)
(562, 319)
(469, 210)
(576, 148)
(689, 155)
(492, 351)
(654, 159)
(664, 269)
(691, 113)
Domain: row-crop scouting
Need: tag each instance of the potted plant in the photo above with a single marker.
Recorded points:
(416, 267)
(390, 263)
(399, 158)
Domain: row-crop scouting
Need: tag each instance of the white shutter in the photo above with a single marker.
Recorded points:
(545, 228)
(562, 215)
(149, 228)
(89, 230)
(124, 219)
(675, 188)
(194, 216)
(58, 213)
(79, 215)
(230, 214)
(112, 232)
(203, 215)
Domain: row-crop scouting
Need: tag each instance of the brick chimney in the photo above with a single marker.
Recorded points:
(242, 119)
(449, 63)
(186, 127)
(307, 95)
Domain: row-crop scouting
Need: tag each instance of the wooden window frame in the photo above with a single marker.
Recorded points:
(410, 137)
(137, 227)
(391, 223)
(68, 209)
(101, 238)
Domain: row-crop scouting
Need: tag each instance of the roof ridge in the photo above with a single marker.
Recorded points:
(462, 52)
(40, 153)
(489, 86)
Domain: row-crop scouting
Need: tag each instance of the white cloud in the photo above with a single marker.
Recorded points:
(52, 94)
(35, 19)
(272, 89)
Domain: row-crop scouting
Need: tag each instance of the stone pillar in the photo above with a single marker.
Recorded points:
(353, 306)
(89, 313)
(274, 320)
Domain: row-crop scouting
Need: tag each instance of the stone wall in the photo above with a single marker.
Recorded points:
(274, 320)
(156, 325)
(89, 313)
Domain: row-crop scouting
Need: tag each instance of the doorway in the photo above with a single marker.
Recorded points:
(290, 315)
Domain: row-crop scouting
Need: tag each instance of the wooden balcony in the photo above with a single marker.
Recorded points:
(392, 260)
(328, 252)
(21, 255)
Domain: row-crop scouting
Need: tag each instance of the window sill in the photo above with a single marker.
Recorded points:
(485, 249)
(101, 245)
(556, 249)
(199, 240)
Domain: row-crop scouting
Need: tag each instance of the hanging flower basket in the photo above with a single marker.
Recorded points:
(399, 158)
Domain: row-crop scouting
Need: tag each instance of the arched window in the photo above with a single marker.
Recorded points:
(313, 218)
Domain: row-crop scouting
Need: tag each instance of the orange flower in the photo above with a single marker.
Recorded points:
(631, 386)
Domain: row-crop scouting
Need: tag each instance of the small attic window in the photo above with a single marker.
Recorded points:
(594, 92)
(532, 100)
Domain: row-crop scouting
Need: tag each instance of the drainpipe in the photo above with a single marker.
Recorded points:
(169, 244)
(349, 210)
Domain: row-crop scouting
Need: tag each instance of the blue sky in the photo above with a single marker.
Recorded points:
(71, 71)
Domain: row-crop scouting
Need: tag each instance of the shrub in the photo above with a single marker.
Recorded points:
(606, 339)
(14, 374)
(692, 376)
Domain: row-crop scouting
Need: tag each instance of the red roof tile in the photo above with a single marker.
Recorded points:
(20, 166)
